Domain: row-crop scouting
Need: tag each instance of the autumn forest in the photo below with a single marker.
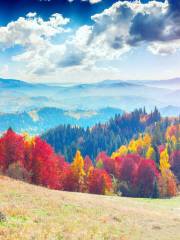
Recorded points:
(134, 155)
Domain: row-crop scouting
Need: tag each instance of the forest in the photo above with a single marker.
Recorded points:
(143, 159)
(66, 139)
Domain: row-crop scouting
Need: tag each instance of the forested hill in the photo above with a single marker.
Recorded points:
(107, 137)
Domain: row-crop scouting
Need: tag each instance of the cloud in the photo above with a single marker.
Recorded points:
(94, 1)
(130, 24)
(31, 14)
(90, 1)
(35, 36)
(31, 30)
(114, 32)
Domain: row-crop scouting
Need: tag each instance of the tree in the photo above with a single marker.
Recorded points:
(147, 140)
(122, 151)
(29, 143)
(69, 179)
(45, 165)
(146, 178)
(11, 149)
(87, 164)
(128, 168)
(78, 169)
(175, 163)
(99, 182)
(167, 182)
(108, 163)
(164, 161)
(150, 154)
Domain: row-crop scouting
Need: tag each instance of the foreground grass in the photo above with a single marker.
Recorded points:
(36, 213)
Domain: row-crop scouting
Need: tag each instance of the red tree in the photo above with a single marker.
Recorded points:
(11, 149)
(70, 182)
(146, 177)
(99, 181)
(45, 165)
(108, 163)
(128, 167)
(87, 163)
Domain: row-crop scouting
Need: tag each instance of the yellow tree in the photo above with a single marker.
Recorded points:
(122, 151)
(137, 146)
(173, 136)
(164, 161)
(167, 181)
(78, 169)
(133, 146)
(150, 152)
(147, 140)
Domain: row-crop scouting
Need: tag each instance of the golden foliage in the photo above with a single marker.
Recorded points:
(150, 152)
(123, 150)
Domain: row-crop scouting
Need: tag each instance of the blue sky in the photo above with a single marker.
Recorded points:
(89, 40)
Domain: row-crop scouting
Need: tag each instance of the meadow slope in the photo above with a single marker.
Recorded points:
(37, 213)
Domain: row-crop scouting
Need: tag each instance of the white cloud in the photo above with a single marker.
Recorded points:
(31, 14)
(165, 48)
(94, 1)
(114, 32)
(31, 30)
(91, 1)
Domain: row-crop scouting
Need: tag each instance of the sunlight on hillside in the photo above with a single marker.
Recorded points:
(33, 212)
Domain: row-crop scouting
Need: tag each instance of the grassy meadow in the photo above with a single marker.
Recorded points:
(36, 213)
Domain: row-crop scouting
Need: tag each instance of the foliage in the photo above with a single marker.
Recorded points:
(99, 182)
(175, 163)
(167, 180)
(147, 164)
(11, 149)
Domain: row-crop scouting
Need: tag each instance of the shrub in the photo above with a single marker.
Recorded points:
(17, 171)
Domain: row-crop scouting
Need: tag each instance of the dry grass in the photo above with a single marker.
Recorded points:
(36, 213)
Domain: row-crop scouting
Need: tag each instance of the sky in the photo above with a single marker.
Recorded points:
(89, 40)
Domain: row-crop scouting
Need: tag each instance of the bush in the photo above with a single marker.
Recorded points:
(17, 171)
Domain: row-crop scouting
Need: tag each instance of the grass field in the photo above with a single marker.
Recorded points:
(36, 213)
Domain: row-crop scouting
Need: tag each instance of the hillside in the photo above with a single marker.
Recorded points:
(40, 120)
(34, 212)
(102, 137)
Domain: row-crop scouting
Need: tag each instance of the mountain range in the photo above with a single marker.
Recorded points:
(37, 107)
(21, 96)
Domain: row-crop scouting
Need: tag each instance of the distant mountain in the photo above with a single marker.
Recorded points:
(37, 107)
(174, 97)
(170, 111)
(19, 96)
(39, 120)
(11, 83)
(173, 83)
